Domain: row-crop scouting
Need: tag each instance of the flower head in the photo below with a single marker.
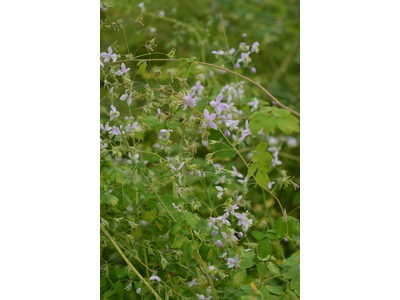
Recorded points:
(188, 100)
(109, 55)
(123, 70)
(198, 87)
(221, 191)
(254, 47)
(218, 52)
(177, 169)
(233, 262)
(154, 277)
(254, 104)
(210, 119)
(126, 96)
(113, 113)
(218, 106)
(245, 132)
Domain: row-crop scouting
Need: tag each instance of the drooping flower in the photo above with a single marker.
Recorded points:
(244, 221)
(198, 87)
(109, 55)
(188, 100)
(254, 104)
(233, 262)
(219, 243)
(218, 52)
(210, 119)
(240, 234)
(254, 47)
(237, 174)
(138, 291)
(201, 297)
(113, 113)
(253, 70)
(123, 70)
(245, 132)
(193, 282)
(126, 96)
(270, 184)
(244, 57)
(218, 106)
(177, 169)
(221, 191)
(223, 219)
(154, 277)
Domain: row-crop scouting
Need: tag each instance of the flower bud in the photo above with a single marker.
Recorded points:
(138, 291)
(240, 234)
(244, 35)
(253, 70)
(227, 133)
(237, 66)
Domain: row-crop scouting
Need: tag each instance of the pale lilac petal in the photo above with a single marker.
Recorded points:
(212, 117)
(220, 97)
(123, 97)
(206, 113)
(213, 125)
(213, 103)
(223, 106)
(129, 101)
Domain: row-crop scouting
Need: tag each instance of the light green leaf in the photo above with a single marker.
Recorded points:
(238, 278)
(264, 247)
(274, 290)
(258, 235)
(288, 124)
(246, 263)
(268, 124)
(191, 220)
(261, 147)
(274, 269)
(262, 179)
(295, 283)
(252, 170)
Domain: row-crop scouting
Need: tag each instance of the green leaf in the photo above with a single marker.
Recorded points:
(245, 287)
(294, 260)
(119, 288)
(140, 62)
(142, 67)
(238, 278)
(292, 296)
(195, 71)
(187, 250)
(121, 273)
(252, 170)
(281, 228)
(177, 226)
(274, 269)
(191, 220)
(184, 60)
(271, 234)
(264, 247)
(261, 267)
(278, 112)
(249, 254)
(295, 283)
(264, 291)
(255, 157)
(265, 158)
(290, 273)
(262, 179)
(288, 124)
(268, 124)
(192, 58)
(274, 290)
(186, 74)
(112, 200)
(246, 263)
(258, 235)
(108, 293)
(261, 147)
(178, 242)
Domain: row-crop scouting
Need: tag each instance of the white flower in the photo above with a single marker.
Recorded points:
(113, 113)
(176, 207)
(153, 277)
(254, 104)
(237, 174)
(270, 184)
(138, 291)
(244, 181)
(224, 220)
(123, 70)
(254, 47)
(232, 210)
(233, 262)
(243, 220)
(161, 13)
(273, 141)
(125, 96)
(198, 87)
(201, 297)
(221, 191)
(177, 169)
(291, 142)
(218, 52)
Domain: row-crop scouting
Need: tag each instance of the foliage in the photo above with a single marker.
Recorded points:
(198, 166)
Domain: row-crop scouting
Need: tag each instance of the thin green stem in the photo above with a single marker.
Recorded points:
(129, 263)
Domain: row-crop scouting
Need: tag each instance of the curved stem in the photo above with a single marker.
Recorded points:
(129, 263)
(276, 101)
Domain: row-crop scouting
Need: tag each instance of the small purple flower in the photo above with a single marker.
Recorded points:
(210, 119)
(201, 297)
(198, 87)
(218, 105)
(245, 132)
(227, 133)
(285, 239)
(138, 291)
(244, 221)
(244, 35)
(109, 55)
(113, 113)
(218, 52)
(244, 57)
(176, 207)
(253, 70)
(254, 47)
(224, 220)
(240, 234)
(106, 127)
(254, 104)
(214, 233)
(237, 66)
(233, 262)
(130, 128)
(292, 142)
(188, 100)
(233, 51)
(219, 243)
(101, 64)
(115, 131)
(212, 223)
(123, 70)
(232, 210)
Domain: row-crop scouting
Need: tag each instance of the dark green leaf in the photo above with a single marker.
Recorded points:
(264, 247)
(246, 263)
(258, 235)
